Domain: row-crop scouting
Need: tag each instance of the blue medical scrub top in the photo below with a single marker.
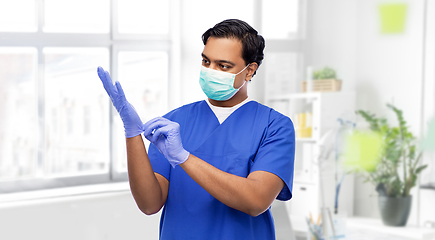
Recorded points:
(252, 138)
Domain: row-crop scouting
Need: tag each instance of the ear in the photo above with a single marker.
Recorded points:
(251, 70)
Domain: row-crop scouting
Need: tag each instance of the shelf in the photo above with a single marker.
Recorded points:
(325, 108)
(281, 97)
(310, 95)
(309, 140)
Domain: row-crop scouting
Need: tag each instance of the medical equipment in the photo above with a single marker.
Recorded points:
(218, 85)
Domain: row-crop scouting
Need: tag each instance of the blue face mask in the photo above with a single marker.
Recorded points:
(218, 85)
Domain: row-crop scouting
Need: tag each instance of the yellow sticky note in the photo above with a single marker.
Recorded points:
(392, 17)
(362, 150)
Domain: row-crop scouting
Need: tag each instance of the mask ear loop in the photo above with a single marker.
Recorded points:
(238, 89)
(243, 80)
(242, 85)
(243, 69)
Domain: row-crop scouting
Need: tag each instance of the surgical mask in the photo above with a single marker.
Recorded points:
(218, 85)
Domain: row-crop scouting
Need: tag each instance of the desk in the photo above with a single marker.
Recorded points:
(358, 228)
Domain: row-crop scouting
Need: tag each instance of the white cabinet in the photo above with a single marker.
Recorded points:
(312, 179)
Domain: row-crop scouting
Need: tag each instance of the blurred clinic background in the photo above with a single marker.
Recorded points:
(62, 147)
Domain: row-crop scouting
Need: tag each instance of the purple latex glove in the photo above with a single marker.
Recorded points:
(165, 135)
(130, 118)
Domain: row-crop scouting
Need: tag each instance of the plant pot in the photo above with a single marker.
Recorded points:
(323, 85)
(395, 210)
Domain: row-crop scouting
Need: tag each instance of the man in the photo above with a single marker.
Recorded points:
(216, 165)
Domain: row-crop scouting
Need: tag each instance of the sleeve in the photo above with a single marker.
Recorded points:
(277, 152)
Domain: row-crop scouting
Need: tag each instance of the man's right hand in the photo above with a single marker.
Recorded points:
(165, 135)
(133, 125)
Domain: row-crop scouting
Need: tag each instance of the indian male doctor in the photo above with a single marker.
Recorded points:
(214, 166)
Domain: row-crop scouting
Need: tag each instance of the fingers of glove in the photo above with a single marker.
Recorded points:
(154, 123)
(148, 128)
(121, 94)
(162, 131)
(160, 143)
(161, 146)
(107, 82)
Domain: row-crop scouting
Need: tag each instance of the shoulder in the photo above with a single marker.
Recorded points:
(273, 117)
(180, 112)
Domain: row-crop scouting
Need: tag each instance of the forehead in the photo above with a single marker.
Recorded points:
(223, 49)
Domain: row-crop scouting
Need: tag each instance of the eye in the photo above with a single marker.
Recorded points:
(205, 62)
(224, 67)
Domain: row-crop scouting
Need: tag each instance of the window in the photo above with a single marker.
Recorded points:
(150, 70)
(58, 127)
(18, 16)
(73, 101)
(62, 16)
(280, 22)
(284, 29)
(18, 105)
(137, 17)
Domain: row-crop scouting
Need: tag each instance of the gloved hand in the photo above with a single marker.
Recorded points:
(132, 123)
(165, 135)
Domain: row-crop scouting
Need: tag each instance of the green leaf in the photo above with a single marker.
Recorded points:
(419, 169)
(398, 154)
(325, 73)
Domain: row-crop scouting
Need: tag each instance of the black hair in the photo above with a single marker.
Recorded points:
(252, 43)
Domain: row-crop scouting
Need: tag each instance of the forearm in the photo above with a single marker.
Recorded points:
(148, 189)
(250, 195)
(145, 186)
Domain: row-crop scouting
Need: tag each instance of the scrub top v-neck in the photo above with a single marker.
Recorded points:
(222, 113)
(253, 138)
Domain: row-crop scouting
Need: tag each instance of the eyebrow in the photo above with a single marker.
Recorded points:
(219, 61)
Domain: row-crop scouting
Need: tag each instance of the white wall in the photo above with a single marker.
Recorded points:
(389, 70)
(89, 217)
(333, 35)
(381, 68)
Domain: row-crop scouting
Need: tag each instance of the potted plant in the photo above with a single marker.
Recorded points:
(325, 73)
(397, 167)
(324, 80)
